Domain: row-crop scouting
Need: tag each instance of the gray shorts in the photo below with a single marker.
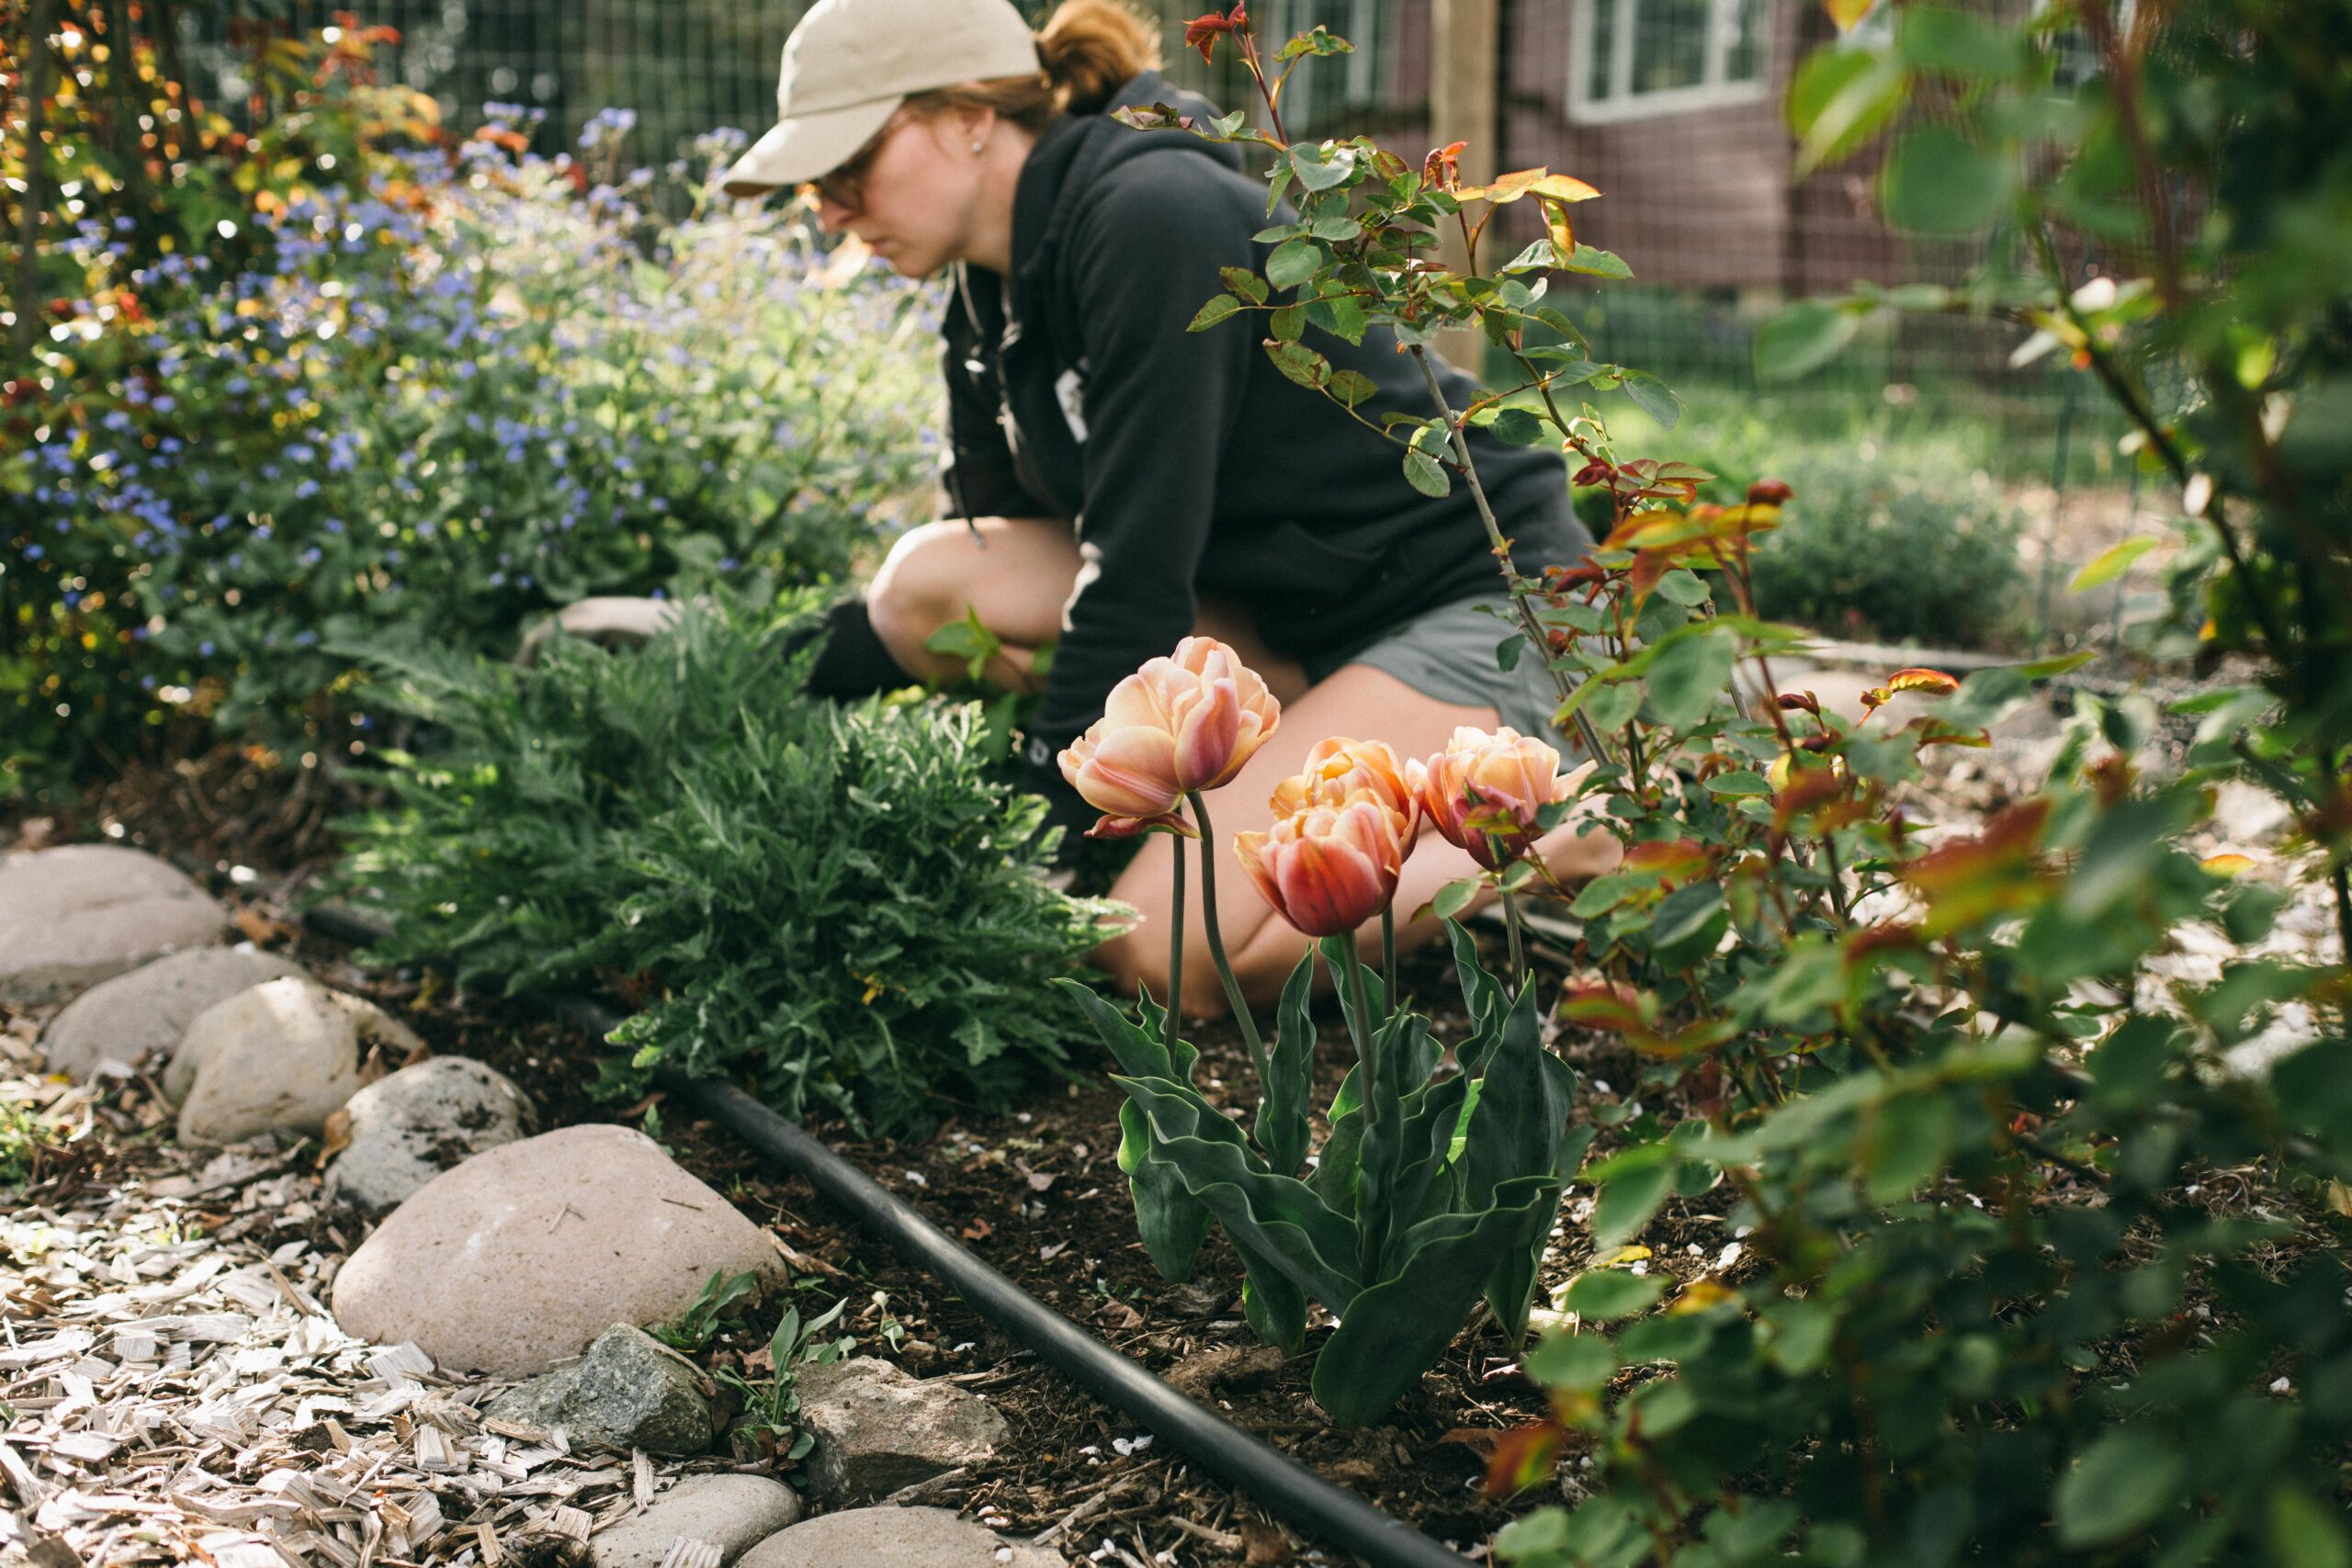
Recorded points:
(1448, 653)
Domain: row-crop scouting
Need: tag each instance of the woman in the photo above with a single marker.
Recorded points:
(1120, 483)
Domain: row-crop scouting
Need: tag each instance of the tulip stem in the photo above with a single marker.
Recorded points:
(1175, 953)
(1217, 939)
(1518, 950)
(1387, 959)
(1366, 1034)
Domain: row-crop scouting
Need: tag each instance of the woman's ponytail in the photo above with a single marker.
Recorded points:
(1089, 51)
(1093, 48)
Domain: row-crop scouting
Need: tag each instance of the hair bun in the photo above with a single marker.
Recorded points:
(1090, 49)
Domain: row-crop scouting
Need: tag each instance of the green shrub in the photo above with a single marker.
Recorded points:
(838, 904)
(1871, 551)
(445, 391)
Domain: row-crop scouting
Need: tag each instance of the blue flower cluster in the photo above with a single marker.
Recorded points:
(437, 399)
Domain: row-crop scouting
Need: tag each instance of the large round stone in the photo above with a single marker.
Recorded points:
(895, 1538)
(410, 1127)
(148, 1008)
(520, 1257)
(72, 917)
(730, 1512)
(285, 1054)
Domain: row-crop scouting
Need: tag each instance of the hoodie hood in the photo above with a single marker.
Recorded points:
(1078, 150)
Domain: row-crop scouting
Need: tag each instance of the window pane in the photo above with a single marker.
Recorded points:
(1669, 44)
(1744, 48)
(1603, 40)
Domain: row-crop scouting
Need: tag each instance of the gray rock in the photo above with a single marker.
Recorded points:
(408, 1128)
(630, 1391)
(72, 917)
(281, 1055)
(879, 1429)
(148, 1009)
(895, 1538)
(732, 1513)
(609, 621)
(517, 1258)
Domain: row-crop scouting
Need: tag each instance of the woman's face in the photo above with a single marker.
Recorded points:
(914, 205)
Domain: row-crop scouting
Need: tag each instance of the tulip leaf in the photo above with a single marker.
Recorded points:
(1334, 1179)
(1482, 997)
(1381, 1164)
(1173, 1222)
(1515, 1133)
(1396, 1330)
(1283, 1129)
(1274, 1306)
(1412, 1158)
(1280, 1218)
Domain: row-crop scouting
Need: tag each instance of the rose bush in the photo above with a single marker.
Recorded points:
(2036, 1250)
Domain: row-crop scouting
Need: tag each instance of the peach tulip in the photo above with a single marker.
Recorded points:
(1483, 791)
(1181, 723)
(1329, 868)
(1339, 768)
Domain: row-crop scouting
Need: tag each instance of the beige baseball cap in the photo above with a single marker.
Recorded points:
(850, 64)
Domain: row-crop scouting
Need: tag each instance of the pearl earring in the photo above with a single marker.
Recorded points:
(976, 147)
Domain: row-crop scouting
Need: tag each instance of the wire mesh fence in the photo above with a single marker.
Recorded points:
(1671, 107)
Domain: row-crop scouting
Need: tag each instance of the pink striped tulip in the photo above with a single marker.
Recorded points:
(1329, 868)
(1182, 723)
(1483, 791)
(1339, 768)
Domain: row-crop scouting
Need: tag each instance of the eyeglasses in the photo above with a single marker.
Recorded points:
(846, 186)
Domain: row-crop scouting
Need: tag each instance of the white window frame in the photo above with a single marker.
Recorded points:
(1622, 104)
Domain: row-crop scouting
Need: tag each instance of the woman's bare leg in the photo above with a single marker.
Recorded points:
(1015, 576)
(1015, 572)
(1363, 703)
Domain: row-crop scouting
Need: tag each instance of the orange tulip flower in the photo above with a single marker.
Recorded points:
(1182, 723)
(1329, 868)
(1339, 768)
(1483, 791)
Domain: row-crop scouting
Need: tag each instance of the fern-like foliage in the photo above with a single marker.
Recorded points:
(838, 905)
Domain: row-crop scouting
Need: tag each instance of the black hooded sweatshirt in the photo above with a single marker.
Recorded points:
(1185, 462)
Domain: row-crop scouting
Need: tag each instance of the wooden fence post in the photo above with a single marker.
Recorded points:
(1464, 101)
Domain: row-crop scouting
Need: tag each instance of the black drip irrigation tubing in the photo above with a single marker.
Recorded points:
(1291, 1491)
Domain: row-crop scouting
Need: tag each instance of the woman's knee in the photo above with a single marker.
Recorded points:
(908, 597)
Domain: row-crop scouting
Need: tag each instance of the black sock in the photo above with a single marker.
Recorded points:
(855, 662)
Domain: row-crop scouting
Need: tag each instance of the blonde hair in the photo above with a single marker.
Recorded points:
(1090, 48)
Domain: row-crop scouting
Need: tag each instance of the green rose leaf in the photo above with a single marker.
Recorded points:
(2118, 1484)
(1223, 308)
(1939, 182)
(1607, 1294)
